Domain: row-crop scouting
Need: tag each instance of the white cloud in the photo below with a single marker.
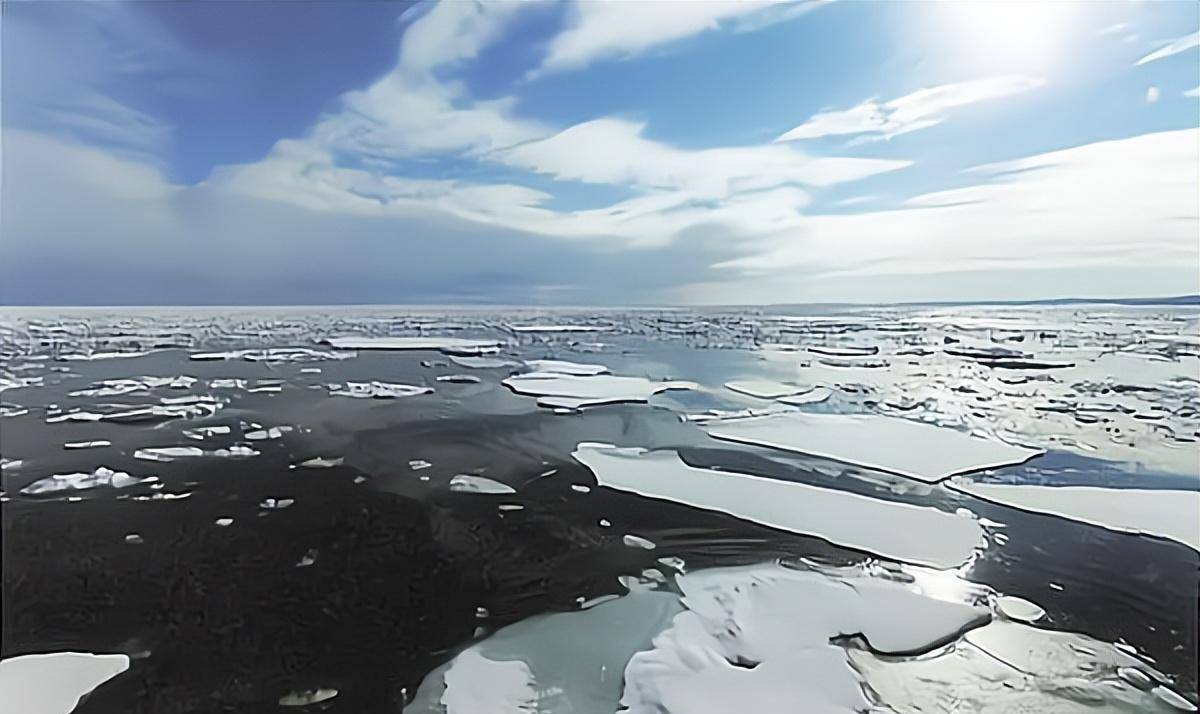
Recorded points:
(1129, 202)
(411, 112)
(608, 30)
(613, 151)
(1174, 47)
(919, 110)
(1194, 92)
(1152, 95)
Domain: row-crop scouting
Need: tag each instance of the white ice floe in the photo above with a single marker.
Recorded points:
(275, 432)
(920, 451)
(549, 664)
(575, 392)
(54, 683)
(470, 483)
(203, 432)
(274, 354)
(634, 541)
(275, 504)
(125, 413)
(1015, 608)
(556, 366)
(102, 476)
(558, 328)
(812, 396)
(459, 379)
(97, 356)
(320, 462)
(447, 345)
(96, 444)
(304, 697)
(764, 388)
(482, 362)
(114, 387)
(224, 522)
(900, 531)
(763, 639)
(1164, 513)
(377, 390)
(843, 350)
(168, 453)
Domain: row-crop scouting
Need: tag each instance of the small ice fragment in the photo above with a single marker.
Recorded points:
(134, 538)
(459, 379)
(99, 443)
(637, 542)
(1055, 586)
(168, 453)
(764, 388)
(102, 476)
(274, 432)
(320, 462)
(310, 557)
(510, 507)
(1136, 677)
(10, 464)
(224, 522)
(581, 488)
(844, 350)
(203, 432)
(481, 612)
(1173, 698)
(276, 503)
(377, 390)
(564, 367)
(605, 523)
(1015, 608)
(813, 396)
(482, 362)
(304, 697)
(418, 464)
(360, 479)
(469, 483)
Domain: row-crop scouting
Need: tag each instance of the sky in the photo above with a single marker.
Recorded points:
(597, 153)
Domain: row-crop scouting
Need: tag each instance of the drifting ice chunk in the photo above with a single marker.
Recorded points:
(308, 696)
(1165, 513)
(482, 362)
(102, 476)
(764, 388)
(447, 345)
(459, 379)
(99, 443)
(900, 531)
(54, 683)
(1015, 608)
(377, 390)
(168, 453)
(320, 462)
(813, 396)
(920, 451)
(475, 683)
(469, 483)
(843, 351)
(574, 392)
(563, 367)
(275, 432)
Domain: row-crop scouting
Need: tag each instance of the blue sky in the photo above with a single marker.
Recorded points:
(597, 153)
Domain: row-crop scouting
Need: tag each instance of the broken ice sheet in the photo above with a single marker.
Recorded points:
(102, 476)
(564, 367)
(54, 683)
(908, 448)
(764, 388)
(1170, 514)
(573, 392)
(376, 390)
(899, 531)
(554, 663)
(447, 345)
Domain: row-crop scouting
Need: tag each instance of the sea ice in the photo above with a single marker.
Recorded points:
(1170, 514)
(900, 531)
(564, 367)
(764, 388)
(920, 451)
(574, 392)
(470, 483)
(376, 390)
(102, 476)
(54, 683)
(446, 345)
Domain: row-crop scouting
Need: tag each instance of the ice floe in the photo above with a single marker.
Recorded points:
(816, 395)
(575, 392)
(564, 367)
(54, 683)
(459, 379)
(102, 476)
(446, 345)
(558, 328)
(899, 531)
(305, 697)
(1170, 514)
(94, 444)
(482, 362)
(320, 462)
(470, 483)
(1015, 608)
(115, 387)
(764, 388)
(920, 451)
(376, 390)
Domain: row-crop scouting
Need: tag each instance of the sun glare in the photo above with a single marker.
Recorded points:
(1023, 35)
